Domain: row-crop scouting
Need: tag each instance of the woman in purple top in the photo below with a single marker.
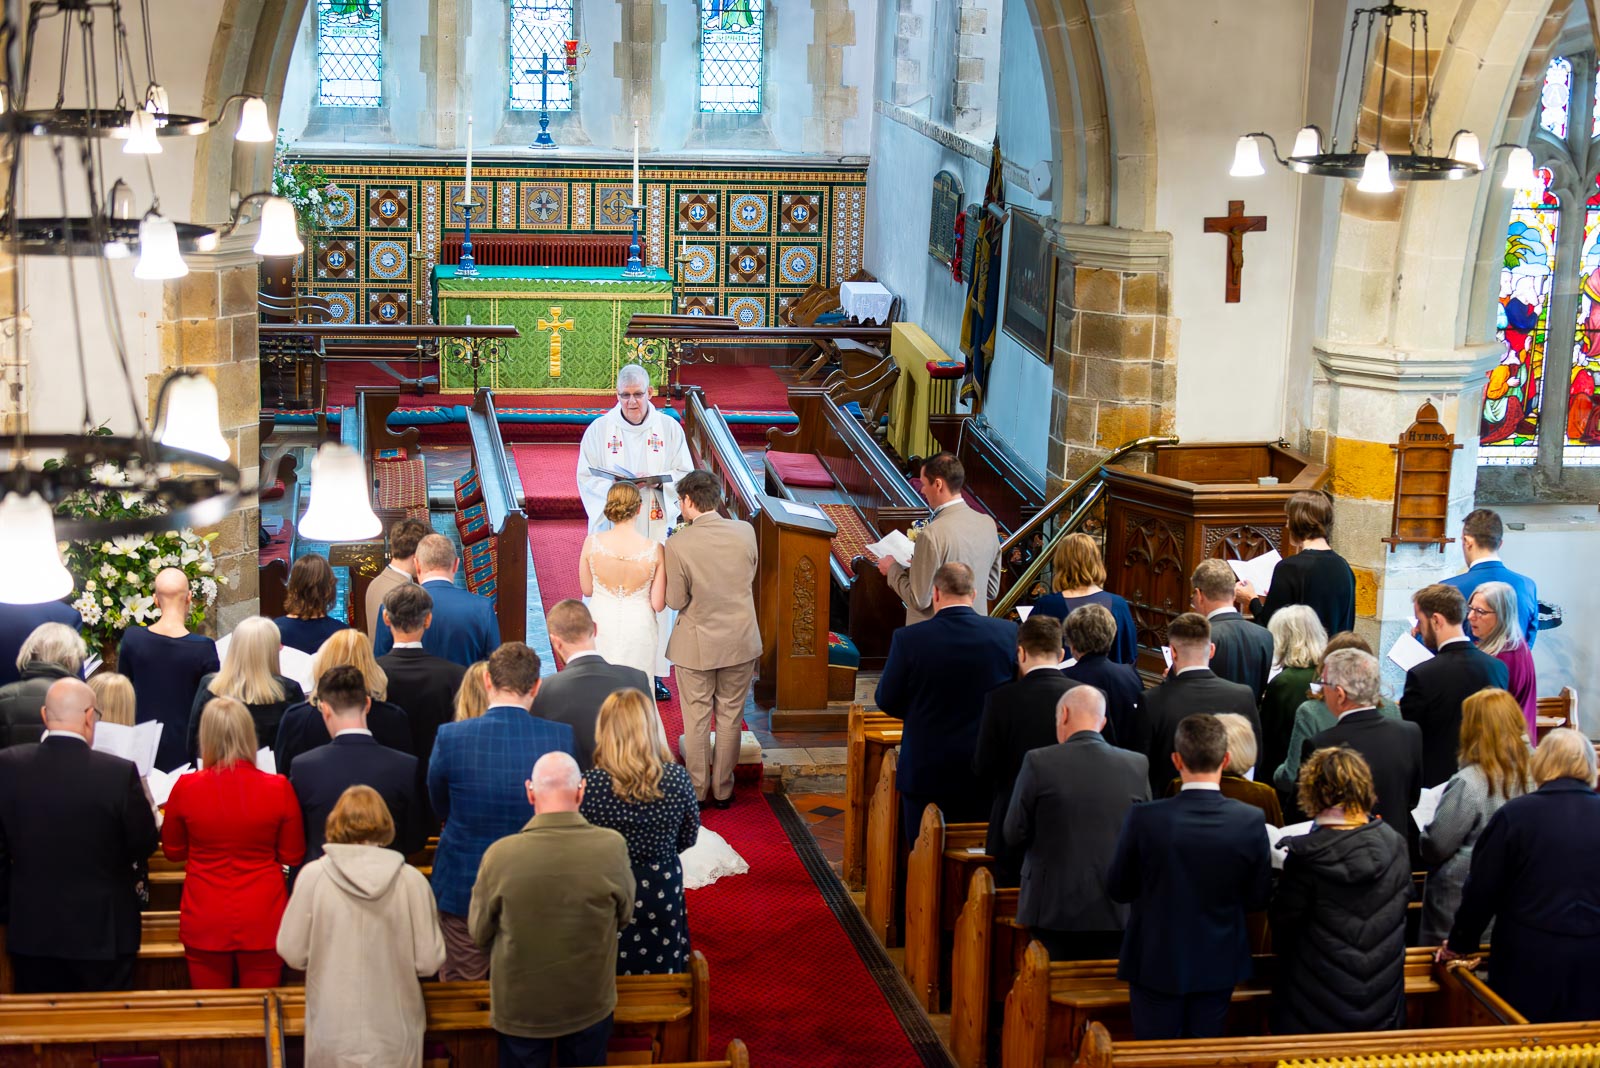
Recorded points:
(1493, 613)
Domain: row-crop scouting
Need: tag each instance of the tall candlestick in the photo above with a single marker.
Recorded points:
(467, 199)
(636, 199)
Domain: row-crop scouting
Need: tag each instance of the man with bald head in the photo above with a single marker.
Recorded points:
(73, 822)
(165, 663)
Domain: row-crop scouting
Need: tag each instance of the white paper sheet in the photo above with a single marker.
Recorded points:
(266, 762)
(138, 743)
(1024, 611)
(1408, 652)
(1276, 835)
(1257, 571)
(1166, 651)
(894, 544)
(161, 782)
(91, 665)
(1068, 662)
(805, 509)
(1427, 805)
(292, 663)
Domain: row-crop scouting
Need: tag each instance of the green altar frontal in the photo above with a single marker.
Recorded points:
(571, 319)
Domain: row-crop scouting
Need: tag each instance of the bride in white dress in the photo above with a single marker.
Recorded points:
(623, 579)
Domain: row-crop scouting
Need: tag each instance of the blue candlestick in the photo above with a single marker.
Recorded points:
(468, 267)
(635, 266)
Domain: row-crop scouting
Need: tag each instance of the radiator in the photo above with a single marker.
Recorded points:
(539, 250)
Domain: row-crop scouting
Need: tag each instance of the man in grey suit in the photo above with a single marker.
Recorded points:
(955, 534)
(1243, 648)
(1067, 811)
(574, 694)
(402, 570)
(711, 574)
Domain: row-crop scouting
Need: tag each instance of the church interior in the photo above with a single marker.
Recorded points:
(282, 275)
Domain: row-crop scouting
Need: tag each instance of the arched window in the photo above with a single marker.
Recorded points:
(731, 43)
(350, 53)
(538, 30)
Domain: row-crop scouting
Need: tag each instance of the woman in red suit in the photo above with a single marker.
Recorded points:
(236, 827)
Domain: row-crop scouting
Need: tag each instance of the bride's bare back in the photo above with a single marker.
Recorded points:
(620, 561)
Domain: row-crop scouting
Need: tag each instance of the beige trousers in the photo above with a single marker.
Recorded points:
(704, 696)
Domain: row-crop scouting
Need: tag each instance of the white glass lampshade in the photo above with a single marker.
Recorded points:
(279, 235)
(190, 420)
(156, 102)
(1375, 173)
(33, 573)
(158, 250)
(121, 200)
(253, 124)
(1246, 159)
(341, 500)
(142, 139)
(1308, 142)
(1519, 169)
(116, 250)
(1467, 150)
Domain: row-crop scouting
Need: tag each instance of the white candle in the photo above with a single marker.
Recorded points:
(636, 200)
(467, 198)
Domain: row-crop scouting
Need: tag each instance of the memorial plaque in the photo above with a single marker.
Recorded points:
(969, 247)
(942, 224)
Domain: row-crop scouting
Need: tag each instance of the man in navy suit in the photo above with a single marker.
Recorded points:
(464, 628)
(354, 758)
(17, 621)
(475, 781)
(1481, 535)
(1243, 648)
(1191, 867)
(935, 679)
(1435, 688)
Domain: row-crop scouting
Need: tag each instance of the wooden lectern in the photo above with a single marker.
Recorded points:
(1197, 501)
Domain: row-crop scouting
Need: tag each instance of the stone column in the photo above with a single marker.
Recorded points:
(637, 58)
(441, 66)
(832, 102)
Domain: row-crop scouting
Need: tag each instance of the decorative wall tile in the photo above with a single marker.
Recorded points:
(747, 265)
(481, 199)
(338, 258)
(338, 207)
(798, 213)
(748, 213)
(611, 204)
(849, 218)
(388, 260)
(388, 209)
(697, 213)
(749, 311)
(544, 207)
(697, 304)
(797, 265)
(581, 192)
(505, 197)
(343, 303)
(701, 266)
(388, 306)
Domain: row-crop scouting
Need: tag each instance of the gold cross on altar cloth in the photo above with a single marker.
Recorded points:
(555, 324)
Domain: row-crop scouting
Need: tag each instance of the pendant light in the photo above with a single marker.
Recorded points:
(1246, 159)
(1465, 148)
(341, 501)
(253, 124)
(1375, 173)
(158, 250)
(142, 139)
(33, 573)
(1519, 169)
(188, 418)
(279, 234)
(1308, 142)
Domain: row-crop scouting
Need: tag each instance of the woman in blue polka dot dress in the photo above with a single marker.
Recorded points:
(636, 789)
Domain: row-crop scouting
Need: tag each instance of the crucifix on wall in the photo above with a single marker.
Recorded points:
(1235, 224)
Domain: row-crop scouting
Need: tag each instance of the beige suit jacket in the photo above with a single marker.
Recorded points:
(958, 533)
(711, 574)
(386, 580)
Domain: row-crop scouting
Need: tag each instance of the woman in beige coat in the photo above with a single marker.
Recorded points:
(363, 925)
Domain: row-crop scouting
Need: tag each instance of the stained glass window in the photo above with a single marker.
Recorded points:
(538, 28)
(1556, 102)
(1510, 426)
(350, 53)
(1583, 404)
(731, 55)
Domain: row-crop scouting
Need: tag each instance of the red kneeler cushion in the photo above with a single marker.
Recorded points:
(799, 469)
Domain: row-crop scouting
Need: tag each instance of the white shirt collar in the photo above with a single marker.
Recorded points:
(67, 734)
(406, 645)
(1215, 612)
(354, 730)
(1349, 711)
(581, 653)
(1201, 786)
(1491, 558)
(953, 500)
(402, 572)
(1452, 641)
(1188, 670)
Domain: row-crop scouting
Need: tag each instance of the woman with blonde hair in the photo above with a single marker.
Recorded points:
(1241, 758)
(114, 699)
(1077, 574)
(362, 924)
(1493, 616)
(620, 571)
(472, 700)
(302, 727)
(236, 828)
(1297, 643)
(1494, 769)
(251, 675)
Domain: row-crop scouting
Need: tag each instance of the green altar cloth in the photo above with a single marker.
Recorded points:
(571, 319)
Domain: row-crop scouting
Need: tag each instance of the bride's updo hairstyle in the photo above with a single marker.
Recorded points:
(622, 503)
(628, 746)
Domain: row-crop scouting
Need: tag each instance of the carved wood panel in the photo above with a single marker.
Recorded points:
(803, 609)
(1242, 542)
(1154, 578)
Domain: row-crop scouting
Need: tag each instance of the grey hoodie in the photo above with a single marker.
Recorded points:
(362, 871)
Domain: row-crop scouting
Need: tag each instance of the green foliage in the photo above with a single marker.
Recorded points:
(300, 184)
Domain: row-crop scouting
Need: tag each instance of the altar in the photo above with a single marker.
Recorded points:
(572, 321)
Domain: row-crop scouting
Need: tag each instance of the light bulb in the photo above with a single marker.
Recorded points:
(253, 124)
(121, 200)
(341, 500)
(142, 139)
(1375, 173)
(33, 573)
(190, 420)
(1467, 150)
(1308, 142)
(158, 250)
(1519, 170)
(1246, 159)
(279, 234)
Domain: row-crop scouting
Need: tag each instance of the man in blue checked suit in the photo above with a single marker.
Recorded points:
(476, 782)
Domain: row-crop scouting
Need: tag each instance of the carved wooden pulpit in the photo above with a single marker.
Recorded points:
(1197, 501)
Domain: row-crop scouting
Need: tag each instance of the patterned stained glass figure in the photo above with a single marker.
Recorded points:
(731, 43)
(540, 28)
(1583, 400)
(1509, 428)
(350, 53)
(1555, 102)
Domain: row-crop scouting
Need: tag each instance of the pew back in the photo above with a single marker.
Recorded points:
(869, 735)
(941, 864)
(508, 523)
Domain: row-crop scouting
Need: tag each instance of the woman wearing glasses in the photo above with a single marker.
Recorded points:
(1492, 614)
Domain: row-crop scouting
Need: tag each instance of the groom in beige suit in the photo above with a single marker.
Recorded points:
(711, 574)
(956, 534)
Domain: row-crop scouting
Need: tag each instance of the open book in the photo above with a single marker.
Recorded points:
(622, 474)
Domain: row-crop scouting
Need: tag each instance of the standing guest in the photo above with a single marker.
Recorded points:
(1312, 718)
(1339, 913)
(1297, 643)
(165, 663)
(236, 828)
(957, 533)
(1236, 781)
(548, 905)
(1243, 651)
(1077, 577)
(1491, 613)
(1314, 576)
(637, 790)
(1190, 687)
(74, 822)
(574, 694)
(306, 624)
(1536, 873)
(464, 626)
(361, 925)
(935, 680)
(1192, 867)
(1494, 770)
(1482, 533)
(711, 574)
(402, 570)
(252, 675)
(475, 782)
(1436, 687)
(1018, 717)
(472, 700)
(1090, 630)
(423, 685)
(1070, 804)
(302, 728)
(114, 699)
(354, 758)
(17, 621)
(54, 651)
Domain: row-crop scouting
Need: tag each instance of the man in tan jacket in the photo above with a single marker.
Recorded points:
(711, 574)
(956, 534)
(402, 569)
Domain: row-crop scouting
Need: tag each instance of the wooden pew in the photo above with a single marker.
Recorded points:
(942, 862)
(507, 519)
(996, 476)
(984, 960)
(884, 847)
(869, 735)
(1558, 711)
(237, 1028)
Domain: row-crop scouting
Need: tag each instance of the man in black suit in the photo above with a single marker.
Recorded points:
(574, 694)
(353, 758)
(935, 679)
(1435, 688)
(1070, 803)
(423, 685)
(1191, 687)
(1192, 867)
(73, 822)
(1090, 631)
(1243, 649)
(1017, 717)
(1392, 748)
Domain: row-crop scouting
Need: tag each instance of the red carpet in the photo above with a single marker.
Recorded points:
(738, 387)
(549, 483)
(555, 544)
